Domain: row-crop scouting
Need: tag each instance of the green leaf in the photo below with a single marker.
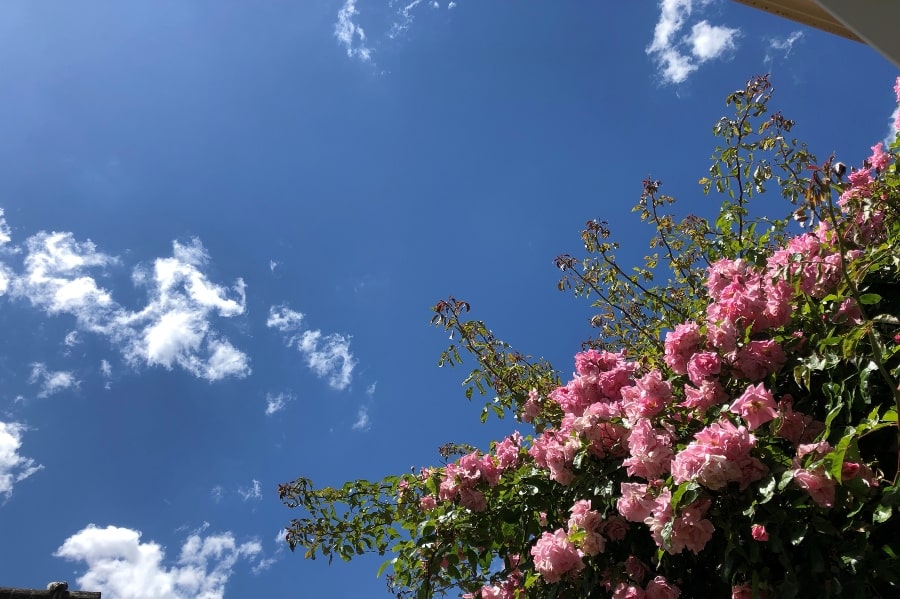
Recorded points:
(882, 514)
(868, 299)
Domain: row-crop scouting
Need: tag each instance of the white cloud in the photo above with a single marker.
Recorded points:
(263, 565)
(5, 237)
(370, 390)
(5, 233)
(51, 381)
(122, 567)
(105, 368)
(362, 419)
(349, 34)
(217, 493)
(273, 265)
(253, 492)
(284, 319)
(13, 466)
(173, 329)
(679, 56)
(785, 45)
(56, 280)
(405, 18)
(328, 356)
(451, 5)
(893, 127)
(276, 402)
(71, 339)
(711, 41)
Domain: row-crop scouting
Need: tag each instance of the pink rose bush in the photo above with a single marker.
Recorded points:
(731, 434)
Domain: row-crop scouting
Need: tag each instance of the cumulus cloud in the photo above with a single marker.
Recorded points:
(173, 329)
(56, 279)
(711, 41)
(275, 402)
(349, 34)
(677, 55)
(254, 491)
(327, 355)
(51, 381)
(14, 467)
(121, 566)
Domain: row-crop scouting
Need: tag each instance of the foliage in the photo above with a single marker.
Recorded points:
(729, 432)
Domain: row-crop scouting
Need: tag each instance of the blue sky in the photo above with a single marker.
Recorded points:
(224, 225)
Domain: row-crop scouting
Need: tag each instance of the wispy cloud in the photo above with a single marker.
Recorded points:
(677, 55)
(120, 565)
(173, 329)
(353, 38)
(14, 467)
(72, 339)
(275, 402)
(405, 18)
(370, 390)
(51, 381)
(284, 319)
(254, 491)
(5, 237)
(217, 493)
(362, 419)
(327, 355)
(351, 35)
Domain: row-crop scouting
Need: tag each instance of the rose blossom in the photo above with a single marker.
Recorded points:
(554, 555)
(759, 532)
(756, 406)
(703, 366)
(660, 588)
(628, 591)
(817, 484)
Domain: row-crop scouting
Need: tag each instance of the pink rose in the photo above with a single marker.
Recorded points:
(628, 591)
(756, 406)
(660, 588)
(817, 484)
(703, 366)
(759, 533)
(554, 556)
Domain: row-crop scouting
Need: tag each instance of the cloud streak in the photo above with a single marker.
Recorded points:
(677, 55)
(120, 565)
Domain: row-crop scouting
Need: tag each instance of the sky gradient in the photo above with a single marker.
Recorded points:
(223, 228)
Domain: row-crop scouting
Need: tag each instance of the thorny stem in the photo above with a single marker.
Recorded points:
(628, 317)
